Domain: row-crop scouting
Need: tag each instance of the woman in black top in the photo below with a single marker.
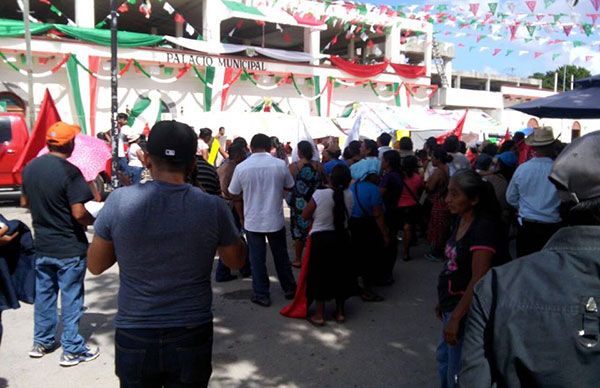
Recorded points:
(391, 188)
(476, 243)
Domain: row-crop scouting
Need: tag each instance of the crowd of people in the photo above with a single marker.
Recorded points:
(348, 211)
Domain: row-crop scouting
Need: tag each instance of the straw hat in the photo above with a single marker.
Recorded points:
(540, 137)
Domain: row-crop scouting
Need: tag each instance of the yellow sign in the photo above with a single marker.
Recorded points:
(401, 134)
(214, 152)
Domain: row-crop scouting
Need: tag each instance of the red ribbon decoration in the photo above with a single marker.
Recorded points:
(126, 67)
(408, 71)
(59, 64)
(362, 71)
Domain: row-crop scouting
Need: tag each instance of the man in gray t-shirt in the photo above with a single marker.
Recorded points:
(164, 235)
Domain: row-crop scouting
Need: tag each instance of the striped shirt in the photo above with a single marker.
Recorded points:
(206, 177)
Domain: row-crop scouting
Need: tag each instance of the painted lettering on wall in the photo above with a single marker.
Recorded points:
(205, 61)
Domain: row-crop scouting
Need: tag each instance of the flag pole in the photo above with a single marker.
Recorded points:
(29, 66)
(114, 106)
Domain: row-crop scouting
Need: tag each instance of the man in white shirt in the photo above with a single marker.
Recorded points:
(262, 179)
(383, 142)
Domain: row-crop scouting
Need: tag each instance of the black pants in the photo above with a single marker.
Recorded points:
(170, 358)
(532, 236)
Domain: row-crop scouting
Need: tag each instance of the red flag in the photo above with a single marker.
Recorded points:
(48, 115)
(456, 131)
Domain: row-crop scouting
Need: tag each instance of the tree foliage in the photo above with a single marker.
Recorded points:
(548, 77)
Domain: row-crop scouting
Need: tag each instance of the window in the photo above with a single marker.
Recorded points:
(12, 102)
(5, 130)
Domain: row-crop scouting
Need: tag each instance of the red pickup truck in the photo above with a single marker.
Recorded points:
(13, 141)
(13, 138)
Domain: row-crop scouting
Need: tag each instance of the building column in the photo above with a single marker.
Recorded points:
(84, 14)
(392, 44)
(488, 84)
(312, 44)
(211, 21)
(457, 82)
(429, 49)
(351, 49)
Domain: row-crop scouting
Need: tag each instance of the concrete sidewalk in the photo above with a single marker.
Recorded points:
(386, 344)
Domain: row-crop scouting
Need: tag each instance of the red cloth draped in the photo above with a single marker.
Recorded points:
(299, 306)
(362, 71)
(409, 71)
(37, 140)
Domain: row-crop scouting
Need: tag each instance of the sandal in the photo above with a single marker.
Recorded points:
(315, 323)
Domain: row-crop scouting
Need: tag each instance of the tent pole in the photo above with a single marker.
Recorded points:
(114, 106)
(29, 65)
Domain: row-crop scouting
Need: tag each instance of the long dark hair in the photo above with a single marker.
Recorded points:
(474, 187)
(305, 150)
(340, 180)
(410, 166)
(392, 157)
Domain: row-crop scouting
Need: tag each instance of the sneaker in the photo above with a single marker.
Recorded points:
(264, 301)
(68, 359)
(39, 351)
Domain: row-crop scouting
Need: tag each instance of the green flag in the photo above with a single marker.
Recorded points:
(209, 77)
(577, 43)
(554, 56)
(548, 3)
(587, 28)
(73, 78)
(508, 52)
(531, 29)
(493, 7)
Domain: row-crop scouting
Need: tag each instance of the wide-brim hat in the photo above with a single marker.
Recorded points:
(131, 137)
(540, 137)
(576, 168)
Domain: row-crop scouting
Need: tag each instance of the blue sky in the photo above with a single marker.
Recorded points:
(470, 57)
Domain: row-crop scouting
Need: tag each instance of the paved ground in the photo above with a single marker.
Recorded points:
(387, 344)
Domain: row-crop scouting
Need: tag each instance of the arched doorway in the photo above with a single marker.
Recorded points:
(533, 123)
(10, 102)
(575, 130)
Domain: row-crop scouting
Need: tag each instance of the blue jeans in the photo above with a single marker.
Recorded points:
(136, 174)
(448, 359)
(177, 357)
(52, 275)
(258, 259)
(223, 272)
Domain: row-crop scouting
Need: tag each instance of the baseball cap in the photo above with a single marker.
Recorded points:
(61, 133)
(483, 163)
(509, 158)
(172, 140)
(576, 168)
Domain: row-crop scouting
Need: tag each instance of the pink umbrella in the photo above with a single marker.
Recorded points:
(90, 156)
